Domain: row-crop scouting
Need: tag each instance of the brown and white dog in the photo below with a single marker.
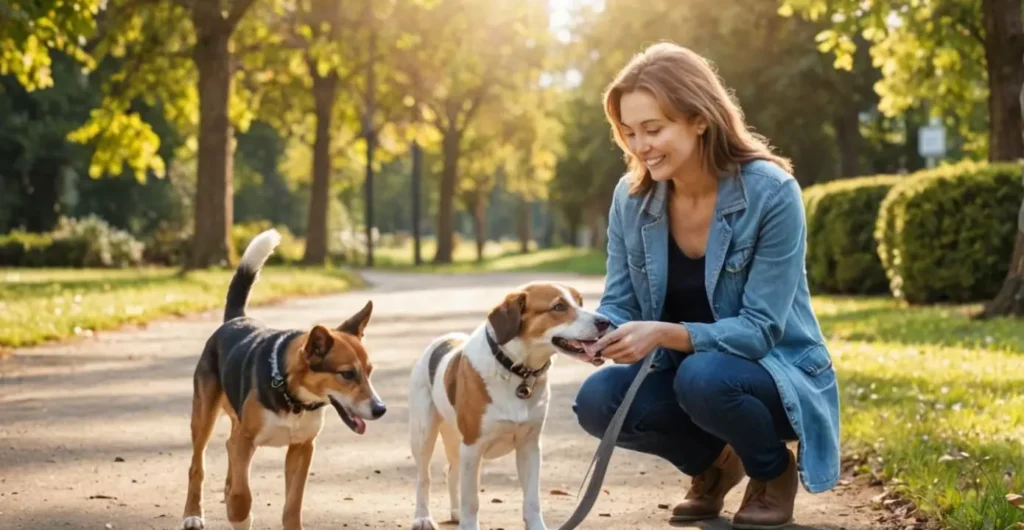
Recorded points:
(487, 394)
(274, 384)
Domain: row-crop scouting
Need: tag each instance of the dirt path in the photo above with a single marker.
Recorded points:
(70, 412)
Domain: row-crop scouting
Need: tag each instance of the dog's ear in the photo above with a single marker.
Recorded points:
(507, 316)
(318, 344)
(357, 322)
(575, 294)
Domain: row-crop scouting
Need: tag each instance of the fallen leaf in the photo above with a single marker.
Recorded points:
(559, 491)
(663, 506)
(496, 501)
(101, 497)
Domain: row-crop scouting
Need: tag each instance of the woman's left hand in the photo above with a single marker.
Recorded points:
(631, 341)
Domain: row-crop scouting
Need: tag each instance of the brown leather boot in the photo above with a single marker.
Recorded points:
(707, 490)
(769, 504)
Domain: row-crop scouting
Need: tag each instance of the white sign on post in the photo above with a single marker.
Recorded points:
(931, 141)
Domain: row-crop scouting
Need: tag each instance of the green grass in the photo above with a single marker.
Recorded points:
(934, 403)
(503, 256)
(39, 305)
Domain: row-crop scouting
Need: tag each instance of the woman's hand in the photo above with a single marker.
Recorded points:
(631, 341)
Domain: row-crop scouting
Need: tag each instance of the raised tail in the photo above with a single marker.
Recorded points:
(256, 254)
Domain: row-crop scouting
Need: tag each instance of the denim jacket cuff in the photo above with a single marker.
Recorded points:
(701, 336)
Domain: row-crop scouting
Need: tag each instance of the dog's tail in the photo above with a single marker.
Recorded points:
(256, 254)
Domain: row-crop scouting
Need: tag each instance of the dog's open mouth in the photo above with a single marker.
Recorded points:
(354, 422)
(580, 348)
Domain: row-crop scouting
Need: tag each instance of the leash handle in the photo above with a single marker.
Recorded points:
(603, 455)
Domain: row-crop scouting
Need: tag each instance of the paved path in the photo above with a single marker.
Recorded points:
(69, 411)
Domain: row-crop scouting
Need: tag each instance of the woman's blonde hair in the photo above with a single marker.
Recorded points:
(686, 86)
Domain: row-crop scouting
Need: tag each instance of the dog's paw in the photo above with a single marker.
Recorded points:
(424, 523)
(194, 522)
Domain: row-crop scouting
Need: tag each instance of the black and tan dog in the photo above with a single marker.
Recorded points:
(273, 383)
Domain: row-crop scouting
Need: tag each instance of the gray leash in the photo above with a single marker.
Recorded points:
(603, 455)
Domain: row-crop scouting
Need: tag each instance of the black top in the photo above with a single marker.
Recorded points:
(686, 299)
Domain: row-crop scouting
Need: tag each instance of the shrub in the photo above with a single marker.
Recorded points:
(92, 242)
(24, 249)
(89, 242)
(946, 234)
(842, 254)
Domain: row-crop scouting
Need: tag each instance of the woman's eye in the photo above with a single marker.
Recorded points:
(656, 131)
(349, 374)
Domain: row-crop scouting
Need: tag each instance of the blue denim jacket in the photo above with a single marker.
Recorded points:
(757, 286)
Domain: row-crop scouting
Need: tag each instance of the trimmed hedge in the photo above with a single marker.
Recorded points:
(842, 255)
(946, 234)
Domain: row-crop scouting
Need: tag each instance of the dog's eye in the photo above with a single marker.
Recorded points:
(351, 375)
(560, 306)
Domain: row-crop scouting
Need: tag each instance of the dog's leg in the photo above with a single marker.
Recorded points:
(450, 438)
(470, 457)
(422, 438)
(206, 392)
(296, 470)
(240, 452)
(528, 466)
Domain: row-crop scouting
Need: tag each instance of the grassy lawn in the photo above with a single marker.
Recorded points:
(933, 403)
(497, 257)
(37, 305)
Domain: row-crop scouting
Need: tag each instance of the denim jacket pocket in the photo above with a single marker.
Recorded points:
(636, 263)
(739, 258)
(814, 360)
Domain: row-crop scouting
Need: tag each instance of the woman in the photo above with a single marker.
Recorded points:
(706, 241)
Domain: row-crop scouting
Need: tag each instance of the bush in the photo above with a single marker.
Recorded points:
(946, 234)
(167, 245)
(89, 242)
(24, 249)
(842, 256)
(92, 242)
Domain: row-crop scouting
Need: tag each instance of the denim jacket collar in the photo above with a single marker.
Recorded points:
(732, 197)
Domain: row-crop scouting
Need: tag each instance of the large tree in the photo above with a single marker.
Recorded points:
(954, 56)
(176, 54)
(450, 85)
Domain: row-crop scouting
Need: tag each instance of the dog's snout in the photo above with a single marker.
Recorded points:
(377, 409)
(602, 324)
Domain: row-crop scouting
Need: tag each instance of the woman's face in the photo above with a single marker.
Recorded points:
(668, 148)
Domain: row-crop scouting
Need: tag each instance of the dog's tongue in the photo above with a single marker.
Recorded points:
(360, 424)
(590, 349)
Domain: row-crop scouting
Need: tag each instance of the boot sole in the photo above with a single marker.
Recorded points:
(755, 526)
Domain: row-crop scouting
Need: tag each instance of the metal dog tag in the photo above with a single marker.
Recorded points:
(523, 391)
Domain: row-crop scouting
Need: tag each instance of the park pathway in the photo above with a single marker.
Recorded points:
(94, 433)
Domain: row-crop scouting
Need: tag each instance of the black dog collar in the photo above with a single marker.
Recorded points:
(277, 382)
(524, 390)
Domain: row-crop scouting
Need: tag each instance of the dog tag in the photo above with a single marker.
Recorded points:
(523, 391)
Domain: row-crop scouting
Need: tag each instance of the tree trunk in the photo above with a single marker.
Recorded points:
(445, 210)
(325, 90)
(524, 226)
(479, 227)
(847, 125)
(1004, 47)
(1004, 53)
(211, 243)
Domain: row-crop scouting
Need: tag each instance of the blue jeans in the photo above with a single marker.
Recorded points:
(688, 414)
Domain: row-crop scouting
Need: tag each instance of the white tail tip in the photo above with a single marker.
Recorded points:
(259, 249)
